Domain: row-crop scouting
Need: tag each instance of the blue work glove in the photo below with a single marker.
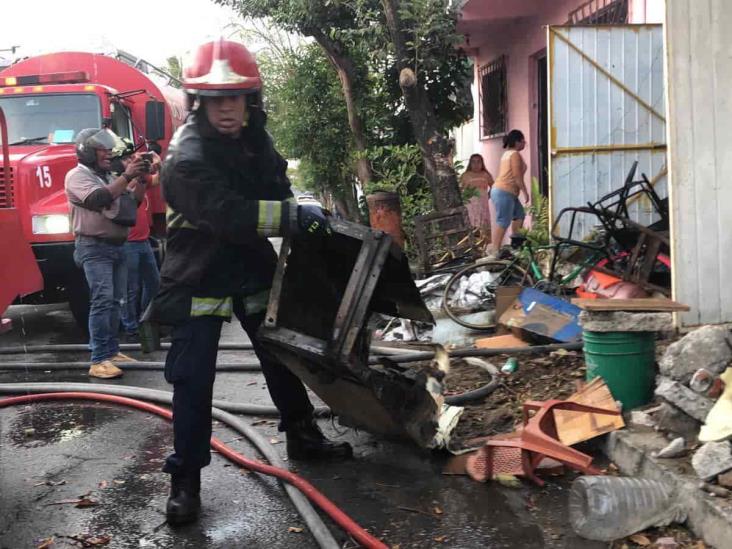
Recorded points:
(312, 220)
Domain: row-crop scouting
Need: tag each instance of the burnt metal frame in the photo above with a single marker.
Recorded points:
(353, 309)
(612, 212)
(386, 399)
(424, 233)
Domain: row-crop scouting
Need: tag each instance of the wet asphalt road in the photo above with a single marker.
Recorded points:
(51, 452)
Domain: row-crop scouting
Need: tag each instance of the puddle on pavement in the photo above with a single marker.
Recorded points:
(51, 423)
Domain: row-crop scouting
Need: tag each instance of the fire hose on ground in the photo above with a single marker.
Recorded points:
(127, 395)
(83, 347)
(294, 482)
(153, 395)
(395, 354)
(254, 409)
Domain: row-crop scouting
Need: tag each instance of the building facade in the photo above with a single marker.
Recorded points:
(507, 39)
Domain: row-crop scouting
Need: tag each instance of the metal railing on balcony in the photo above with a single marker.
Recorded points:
(600, 12)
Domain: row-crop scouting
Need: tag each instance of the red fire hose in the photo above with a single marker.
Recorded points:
(338, 516)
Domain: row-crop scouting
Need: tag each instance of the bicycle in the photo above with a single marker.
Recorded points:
(522, 269)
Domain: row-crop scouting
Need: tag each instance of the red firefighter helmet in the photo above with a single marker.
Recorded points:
(222, 67)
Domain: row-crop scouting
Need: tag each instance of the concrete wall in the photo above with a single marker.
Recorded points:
(699, 72)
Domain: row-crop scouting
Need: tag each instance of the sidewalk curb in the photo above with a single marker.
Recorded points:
(709, 517)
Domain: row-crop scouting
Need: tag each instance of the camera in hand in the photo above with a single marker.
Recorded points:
(148, 158)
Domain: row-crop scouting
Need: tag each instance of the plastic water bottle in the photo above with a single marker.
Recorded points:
(610, 508)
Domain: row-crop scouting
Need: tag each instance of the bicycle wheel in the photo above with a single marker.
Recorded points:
(473, 290)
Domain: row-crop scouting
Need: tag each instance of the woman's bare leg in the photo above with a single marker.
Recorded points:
(516, 224)
(498, 234)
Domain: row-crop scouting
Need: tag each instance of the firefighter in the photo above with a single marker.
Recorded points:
(227, 191)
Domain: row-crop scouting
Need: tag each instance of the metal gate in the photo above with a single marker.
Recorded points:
(607, 108)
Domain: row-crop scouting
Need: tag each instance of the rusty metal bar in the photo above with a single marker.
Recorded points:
(609, 148)
(656, 179)
(357, 296)
(614, 80)
(273, 306)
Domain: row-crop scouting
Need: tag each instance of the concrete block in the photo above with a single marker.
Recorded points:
(707, 347)
(712, 459)
(624, 321)
(672, 420)
(693, 404)
(676, 448)
(709, 517)
(642, 419)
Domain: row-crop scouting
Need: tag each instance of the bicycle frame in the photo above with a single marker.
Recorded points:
(535, 270)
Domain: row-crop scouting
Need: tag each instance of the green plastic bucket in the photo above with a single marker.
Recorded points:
(625, 360)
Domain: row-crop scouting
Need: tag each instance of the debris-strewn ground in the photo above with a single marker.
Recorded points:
(540, 377)
(651, 537)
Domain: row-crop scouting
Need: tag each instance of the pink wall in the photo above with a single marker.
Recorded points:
(522, 39)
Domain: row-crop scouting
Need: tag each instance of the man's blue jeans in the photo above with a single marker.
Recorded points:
(106, 275)
(143, 280)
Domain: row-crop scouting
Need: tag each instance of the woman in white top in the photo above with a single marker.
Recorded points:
(507, 188)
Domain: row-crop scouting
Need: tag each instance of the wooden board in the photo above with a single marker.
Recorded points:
(574, 427)
(500, 342)
(640, 304)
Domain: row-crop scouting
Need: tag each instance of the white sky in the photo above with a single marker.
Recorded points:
(151, 29)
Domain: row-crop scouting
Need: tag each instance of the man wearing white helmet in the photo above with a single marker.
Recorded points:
(102, 210)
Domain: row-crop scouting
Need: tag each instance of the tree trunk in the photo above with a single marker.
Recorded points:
(347, 205)
(346, 71)
(436, 150)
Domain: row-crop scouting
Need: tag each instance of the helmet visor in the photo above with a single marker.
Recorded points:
(126, 148)
(105, 139)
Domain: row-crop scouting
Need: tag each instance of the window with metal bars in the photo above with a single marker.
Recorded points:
(493, 98)
(600, 12)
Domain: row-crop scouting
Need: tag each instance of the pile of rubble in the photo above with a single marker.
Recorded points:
(695, 403)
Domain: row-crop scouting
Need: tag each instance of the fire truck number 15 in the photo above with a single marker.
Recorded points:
(44, 176)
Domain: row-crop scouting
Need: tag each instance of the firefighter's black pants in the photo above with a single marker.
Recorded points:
(191, 368)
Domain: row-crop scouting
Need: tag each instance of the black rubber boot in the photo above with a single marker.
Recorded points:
(306, 441)
(184, 502)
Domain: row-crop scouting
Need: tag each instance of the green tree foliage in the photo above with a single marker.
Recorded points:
(308, 120)
(442, 69)
(355, 31)
(174, 67)
(398, 168)
(539, 211)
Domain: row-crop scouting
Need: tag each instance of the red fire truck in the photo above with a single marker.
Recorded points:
(47, 100)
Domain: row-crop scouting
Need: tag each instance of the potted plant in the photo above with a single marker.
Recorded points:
(394, 167)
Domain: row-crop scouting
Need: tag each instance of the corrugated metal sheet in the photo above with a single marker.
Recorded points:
(589, 107)
(700, 133)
